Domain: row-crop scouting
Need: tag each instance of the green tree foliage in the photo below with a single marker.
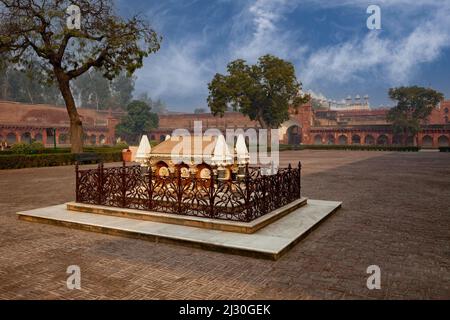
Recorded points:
(93, 90)
(97, 92)
(414, 106)
(3, 78)
(199, 110)
(263, 92)
(123, 87)
(33, 31)
(158, 106)
(138, 121)
(22, 85)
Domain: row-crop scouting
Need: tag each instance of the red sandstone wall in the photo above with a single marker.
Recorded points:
(440, 115)
(13, 112)
(21, 119)
(179, 121)
(305, 117)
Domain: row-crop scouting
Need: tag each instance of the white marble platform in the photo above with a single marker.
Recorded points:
(270, 242)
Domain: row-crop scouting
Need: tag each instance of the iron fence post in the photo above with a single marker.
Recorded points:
(277, 183)
(289, 181)
(77, 183)
(248, 210)
(299, 179)
(124, 186)
(211, 195)
(179, 190)
(150, 189)
(99, 183)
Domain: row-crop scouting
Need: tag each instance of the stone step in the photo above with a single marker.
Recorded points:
(192, 221)
(270, 242)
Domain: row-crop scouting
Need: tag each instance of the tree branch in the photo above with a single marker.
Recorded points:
(91, 63)
(71, 34)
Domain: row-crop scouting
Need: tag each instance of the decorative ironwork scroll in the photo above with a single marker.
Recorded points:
(245, 199)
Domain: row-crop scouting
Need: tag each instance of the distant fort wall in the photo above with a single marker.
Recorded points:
(25, 122)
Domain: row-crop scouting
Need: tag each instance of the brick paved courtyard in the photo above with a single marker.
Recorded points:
(396, 215)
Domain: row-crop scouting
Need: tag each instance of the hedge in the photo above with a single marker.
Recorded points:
(50, 160)
(114, 156)
(349, 147)
(444, 149)
(29, 150)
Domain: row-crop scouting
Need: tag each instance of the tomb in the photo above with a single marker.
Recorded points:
(207, 196)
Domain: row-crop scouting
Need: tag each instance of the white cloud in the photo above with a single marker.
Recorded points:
(316, 95)
(393, 60)
(257, 31)
(175, 70)
(181, 70)
(184, 68)
(403, 4)
(423, 45)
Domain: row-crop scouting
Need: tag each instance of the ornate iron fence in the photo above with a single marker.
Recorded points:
(242, 200)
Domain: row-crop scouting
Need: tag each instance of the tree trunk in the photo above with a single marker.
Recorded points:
(269, 132)
(406, 136)
(76, 127)
(30, 95)
(5, 87)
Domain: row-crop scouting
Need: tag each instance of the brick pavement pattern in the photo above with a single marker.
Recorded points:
(396, 215)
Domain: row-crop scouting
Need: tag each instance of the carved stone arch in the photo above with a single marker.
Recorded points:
(318, 139)
(342, 139)
(11, 138)
(383, 140)
(427, 141)
(443, 141)
(291, 132)
(369, 140)
(25, 137)
(356, 139)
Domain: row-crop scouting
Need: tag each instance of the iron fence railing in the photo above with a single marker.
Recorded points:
(244, 199)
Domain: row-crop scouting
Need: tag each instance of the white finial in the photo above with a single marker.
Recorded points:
(221, 155)
(143, 152)
(241, 150)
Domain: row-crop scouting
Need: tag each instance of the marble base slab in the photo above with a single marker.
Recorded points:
(270, 242)
(191, 221)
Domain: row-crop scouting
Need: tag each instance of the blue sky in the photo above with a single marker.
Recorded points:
(334, 52)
